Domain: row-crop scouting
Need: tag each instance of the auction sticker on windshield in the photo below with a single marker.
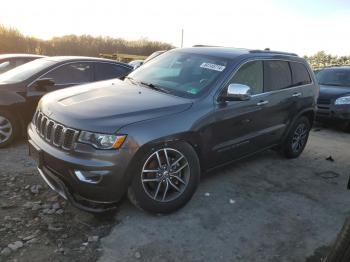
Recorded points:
(211, 66)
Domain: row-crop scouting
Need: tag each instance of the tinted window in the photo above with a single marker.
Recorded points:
(104, 71)
(75, 73)
(300, 74)
(26, 71)
(334, 77)
(5, 66)
(250, 74)
(277, 75)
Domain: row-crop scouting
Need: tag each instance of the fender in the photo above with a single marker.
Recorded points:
(188, 137)
(10, 101)
(306, 111)
(8, 98)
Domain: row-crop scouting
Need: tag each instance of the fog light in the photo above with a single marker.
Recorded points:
(91, 177)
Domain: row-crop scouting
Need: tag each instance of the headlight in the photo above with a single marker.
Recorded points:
(102, 141)
(343, 100)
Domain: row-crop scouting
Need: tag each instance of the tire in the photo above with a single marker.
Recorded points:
(297, 138)
(172, 186)
(346, 127)
(8, 128)
(340, 251)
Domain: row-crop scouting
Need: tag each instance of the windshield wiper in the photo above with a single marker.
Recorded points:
(132, 80)
(155, 87)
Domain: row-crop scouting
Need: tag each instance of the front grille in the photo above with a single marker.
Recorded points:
(53, 132)
(323, 101)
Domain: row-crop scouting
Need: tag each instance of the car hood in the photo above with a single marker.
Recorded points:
(107, 106)
(332, 92)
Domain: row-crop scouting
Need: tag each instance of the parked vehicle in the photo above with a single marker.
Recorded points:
(154, 55)
(136, 63)
(333, 103)
(10, 61)
(186, 111)
(21, 88)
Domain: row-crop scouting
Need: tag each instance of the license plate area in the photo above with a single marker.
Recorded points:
(36, 153)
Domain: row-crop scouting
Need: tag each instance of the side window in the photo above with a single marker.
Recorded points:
(5, 66)
(277, 75)
(300, 74)
(75, 73)
(105, 71)
(250, 74)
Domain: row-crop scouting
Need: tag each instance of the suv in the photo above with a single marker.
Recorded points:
(22, 87)
(334, 100)
(186, 111)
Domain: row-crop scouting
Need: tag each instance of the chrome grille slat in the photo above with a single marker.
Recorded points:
(55, 133)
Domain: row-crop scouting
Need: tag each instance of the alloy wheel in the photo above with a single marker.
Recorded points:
(299, 137)
(165, 175)
(5, 129)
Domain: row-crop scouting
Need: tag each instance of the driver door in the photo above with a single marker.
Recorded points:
(240, 125)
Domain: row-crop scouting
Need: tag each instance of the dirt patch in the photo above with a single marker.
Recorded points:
(38, 225)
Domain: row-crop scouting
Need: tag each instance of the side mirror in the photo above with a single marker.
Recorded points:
(42, 83)
(237, 92)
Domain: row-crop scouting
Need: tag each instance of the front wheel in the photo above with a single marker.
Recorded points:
(297, 138)
(165, 178)
(8, 128)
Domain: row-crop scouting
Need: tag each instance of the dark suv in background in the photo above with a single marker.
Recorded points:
(186, 111)
(334, 100)
(22, 87)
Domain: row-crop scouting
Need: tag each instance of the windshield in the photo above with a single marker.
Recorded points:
(182, 74)
(334, 77)
(25, 71)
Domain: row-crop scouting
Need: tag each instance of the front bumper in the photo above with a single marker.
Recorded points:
(330, 111)
(58, 168)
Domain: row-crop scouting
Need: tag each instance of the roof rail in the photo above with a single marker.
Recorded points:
(267, 50)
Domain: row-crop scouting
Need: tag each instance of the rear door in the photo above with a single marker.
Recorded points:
(284, 95)
(105, 71)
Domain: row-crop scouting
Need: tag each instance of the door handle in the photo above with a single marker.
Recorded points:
(296, 94)
(261, 103)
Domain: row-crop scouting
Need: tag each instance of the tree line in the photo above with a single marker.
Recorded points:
(322, 59)
(13, 41)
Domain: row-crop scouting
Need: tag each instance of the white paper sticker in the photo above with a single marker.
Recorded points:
(211, 66)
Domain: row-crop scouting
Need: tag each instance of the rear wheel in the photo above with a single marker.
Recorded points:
(8, 128)
(297, 138)
(165, 179)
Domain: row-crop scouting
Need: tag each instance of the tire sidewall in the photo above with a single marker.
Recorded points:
(288, 151)
(14, 124)
(143, 200)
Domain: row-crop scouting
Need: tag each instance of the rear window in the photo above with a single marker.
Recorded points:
(300, 74)
(277, 75)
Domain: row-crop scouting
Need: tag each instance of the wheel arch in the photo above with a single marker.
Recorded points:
(309, 113)
(191, 138)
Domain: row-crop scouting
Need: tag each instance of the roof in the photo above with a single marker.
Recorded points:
(65, 58)
(5, 56)
(59, 59)
(230, 52)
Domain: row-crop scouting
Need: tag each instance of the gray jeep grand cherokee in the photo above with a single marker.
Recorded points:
(186, 111)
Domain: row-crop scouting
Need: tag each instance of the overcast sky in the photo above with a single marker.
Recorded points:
(299, 26)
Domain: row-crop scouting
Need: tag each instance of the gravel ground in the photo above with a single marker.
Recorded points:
(265, 208)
